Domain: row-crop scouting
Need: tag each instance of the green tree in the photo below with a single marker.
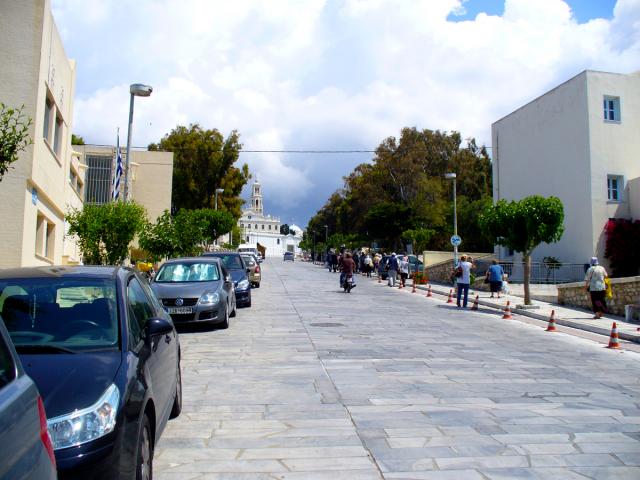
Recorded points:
(203, 160)
(419, 238)
(284, 229)
(523, 225)
(77, 139)
(104, 232)
(185, 234)
(14, 135)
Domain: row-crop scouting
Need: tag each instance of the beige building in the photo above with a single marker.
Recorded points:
(580, 142)
(151, 177)
(47, 178)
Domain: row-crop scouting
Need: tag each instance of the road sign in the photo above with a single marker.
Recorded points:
(456, 240)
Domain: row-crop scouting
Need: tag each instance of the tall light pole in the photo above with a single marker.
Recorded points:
(136, 90)
(218, 190)
(452, 176)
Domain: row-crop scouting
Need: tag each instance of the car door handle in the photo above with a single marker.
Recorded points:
(167, 339)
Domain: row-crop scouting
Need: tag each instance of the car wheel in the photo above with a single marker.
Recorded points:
(177, 400)
(225, 323)
(144, 463)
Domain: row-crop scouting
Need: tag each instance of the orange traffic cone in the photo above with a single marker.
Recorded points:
(507, 311)
(413, 290)
(614, 341)
(450, 299)
(429, 292)
(475, 303)
(552, 322)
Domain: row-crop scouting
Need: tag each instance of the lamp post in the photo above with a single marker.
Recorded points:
(326, 241)
(218, 190)
(452, 176)
(136, 90)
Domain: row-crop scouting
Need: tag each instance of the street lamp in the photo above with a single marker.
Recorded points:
(452, 176)
(136, 90)
(218, 190)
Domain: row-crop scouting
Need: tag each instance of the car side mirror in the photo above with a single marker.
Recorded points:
(158, 326)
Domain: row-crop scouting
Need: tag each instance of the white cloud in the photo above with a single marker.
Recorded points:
(324, 74)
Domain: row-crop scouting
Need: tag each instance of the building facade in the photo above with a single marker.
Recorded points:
(256, 227)
(151, 177)
(48, 178)
(579, 142)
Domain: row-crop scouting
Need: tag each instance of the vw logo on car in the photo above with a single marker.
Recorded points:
(179, 302)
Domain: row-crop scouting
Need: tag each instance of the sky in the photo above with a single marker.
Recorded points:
(329, 74)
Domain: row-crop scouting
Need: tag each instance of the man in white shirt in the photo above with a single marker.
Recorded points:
(463, 275)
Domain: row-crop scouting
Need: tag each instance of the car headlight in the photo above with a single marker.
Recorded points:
(243, 284)
(210, 298)
(82, 426)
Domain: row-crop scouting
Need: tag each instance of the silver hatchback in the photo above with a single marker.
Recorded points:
(196, 289)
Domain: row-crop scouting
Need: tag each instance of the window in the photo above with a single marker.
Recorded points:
(611, 109)
(269, 227)
(256, 226)
(242, 225)
(263, 226)
(48, 114)
(45, 237)
(278, 241)
(615, 185)
(7, 367)
(57, 138)
(139, 308)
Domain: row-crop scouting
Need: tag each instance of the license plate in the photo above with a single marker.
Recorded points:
(179, 310)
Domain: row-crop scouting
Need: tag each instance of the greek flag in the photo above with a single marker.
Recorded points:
(118, 173)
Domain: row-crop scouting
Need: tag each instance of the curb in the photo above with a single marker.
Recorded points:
(559, 321)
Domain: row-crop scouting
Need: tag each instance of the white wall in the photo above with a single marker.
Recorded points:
(543, 149)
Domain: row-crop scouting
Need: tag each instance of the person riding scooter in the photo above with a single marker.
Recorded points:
(347, 267)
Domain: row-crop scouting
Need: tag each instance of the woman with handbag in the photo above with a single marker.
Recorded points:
(596, 286)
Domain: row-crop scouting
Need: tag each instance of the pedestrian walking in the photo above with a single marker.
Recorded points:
(393, 270)
(403, 265)
(495, 275)
(596, 286)
(463, 277)
(368, 265)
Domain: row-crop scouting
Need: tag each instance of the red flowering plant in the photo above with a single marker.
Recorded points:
(622, 246)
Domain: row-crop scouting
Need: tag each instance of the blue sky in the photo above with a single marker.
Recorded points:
(329, 74)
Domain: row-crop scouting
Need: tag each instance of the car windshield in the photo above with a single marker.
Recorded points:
(232, 262)
(46, 315)
(188, 272)
(248, 260)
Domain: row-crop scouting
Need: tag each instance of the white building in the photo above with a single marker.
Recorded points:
(48, 178)
(581, 143)
(256, 227)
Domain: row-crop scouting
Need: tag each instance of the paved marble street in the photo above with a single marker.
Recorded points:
(312, 383)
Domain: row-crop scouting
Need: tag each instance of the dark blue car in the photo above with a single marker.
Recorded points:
(106, 359)
(235, 265)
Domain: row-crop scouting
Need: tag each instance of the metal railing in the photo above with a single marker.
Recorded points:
(540, 272)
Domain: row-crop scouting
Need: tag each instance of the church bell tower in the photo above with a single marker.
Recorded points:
(256, 198)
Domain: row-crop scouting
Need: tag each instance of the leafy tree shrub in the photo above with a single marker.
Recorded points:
(523, 225)
(105, 232)
(14, 135)
(622, 246)
(185, 234)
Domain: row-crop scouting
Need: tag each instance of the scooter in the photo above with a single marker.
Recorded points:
(348, 283)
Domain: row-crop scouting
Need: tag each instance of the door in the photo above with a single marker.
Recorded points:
(161, 354)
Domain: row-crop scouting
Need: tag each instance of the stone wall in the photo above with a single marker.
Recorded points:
(440, 272)
(626, 291)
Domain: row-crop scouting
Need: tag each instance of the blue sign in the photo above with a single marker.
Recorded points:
(34, 196)
(456, 240)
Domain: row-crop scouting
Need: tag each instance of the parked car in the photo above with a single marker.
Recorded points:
(255, 275)
(233, 262)
(382, 267)
(288, 256)
(27, 451)
(196, 290)
(415, 265)
(106, 359)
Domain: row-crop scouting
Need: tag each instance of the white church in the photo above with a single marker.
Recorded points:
(258, 228)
